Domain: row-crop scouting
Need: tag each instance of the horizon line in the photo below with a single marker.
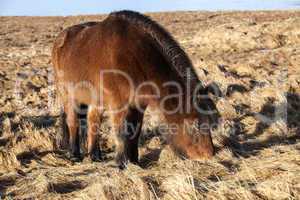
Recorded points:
(163, 11)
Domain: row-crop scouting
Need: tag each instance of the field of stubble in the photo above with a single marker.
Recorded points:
(254, 57)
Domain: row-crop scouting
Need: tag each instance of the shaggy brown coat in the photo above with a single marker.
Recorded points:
(133, 44)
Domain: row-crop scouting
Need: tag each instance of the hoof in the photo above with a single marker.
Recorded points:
(95, 155)
(73, 157)
(134, 161)
(89, 158)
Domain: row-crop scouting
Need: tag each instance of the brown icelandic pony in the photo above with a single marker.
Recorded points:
(132, 50)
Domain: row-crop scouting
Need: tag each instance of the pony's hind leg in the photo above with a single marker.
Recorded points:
(94, 118)
(73, 128)
(128, 126)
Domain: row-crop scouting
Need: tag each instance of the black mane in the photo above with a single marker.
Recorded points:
(166, 44)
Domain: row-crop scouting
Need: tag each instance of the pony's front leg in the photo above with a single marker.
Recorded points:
(127, 125)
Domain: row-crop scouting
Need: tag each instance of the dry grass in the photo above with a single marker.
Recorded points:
(254, 57)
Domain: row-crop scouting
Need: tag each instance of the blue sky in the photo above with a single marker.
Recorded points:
(76, 7)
